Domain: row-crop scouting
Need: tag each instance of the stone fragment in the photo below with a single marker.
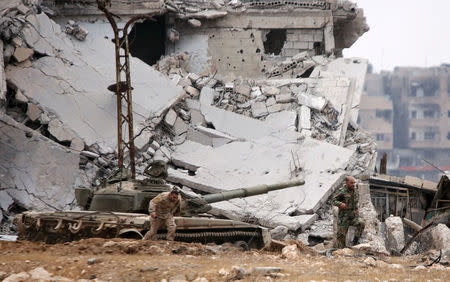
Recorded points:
(184, 82)
(276, 108)
(165, 151)
(256, 92)
(243, 90)
(92, 261)
(57, 130)
(77, 144)
(304, 118)
(236, 273)
(298, 89)
(184, 115)
(155, 145)
(33, 111)
(21, 54)
(195, 22)
(279, 232)
(282, 120)
(201, 82)
(270, 101)
(192, 91)
(180, 126)
(20, 97)
(259, 109)
(22, 276)
(3, 274)
(315, 102)
(40, 274)
(209, 14)
(197, 118)
(270, 91)
(290, 252)
(285, 90)
(441, 238)
(193, 77)
(22, 9)
(17, 42)
(170, 118)
(283, 98)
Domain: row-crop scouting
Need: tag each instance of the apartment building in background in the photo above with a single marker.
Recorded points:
(408, 112)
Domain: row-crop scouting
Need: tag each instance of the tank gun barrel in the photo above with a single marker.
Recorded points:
(250, 191)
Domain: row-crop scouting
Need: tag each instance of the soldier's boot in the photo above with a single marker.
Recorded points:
(359, 224)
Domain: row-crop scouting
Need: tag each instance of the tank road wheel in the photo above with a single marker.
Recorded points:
(241, 245)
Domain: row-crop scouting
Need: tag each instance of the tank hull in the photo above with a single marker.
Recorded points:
(59, 227)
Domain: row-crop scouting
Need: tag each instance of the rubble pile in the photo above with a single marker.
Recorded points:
(299, 121)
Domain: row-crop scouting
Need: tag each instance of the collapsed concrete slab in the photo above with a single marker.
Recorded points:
(261, 155)
(70, 81)
(36, 172)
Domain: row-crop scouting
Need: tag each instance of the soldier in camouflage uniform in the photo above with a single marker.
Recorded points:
(347, 201)
(161, 210)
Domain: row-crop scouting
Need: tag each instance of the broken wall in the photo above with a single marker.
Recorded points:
(249, 44)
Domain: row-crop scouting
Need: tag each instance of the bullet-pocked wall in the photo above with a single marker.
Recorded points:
(250, 45)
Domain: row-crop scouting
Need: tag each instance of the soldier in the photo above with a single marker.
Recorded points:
(161, 210)
(347, 201)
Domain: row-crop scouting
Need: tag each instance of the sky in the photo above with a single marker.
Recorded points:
(404, 33)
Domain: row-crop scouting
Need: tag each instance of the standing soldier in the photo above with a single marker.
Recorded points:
(347, 201)
(161, 210)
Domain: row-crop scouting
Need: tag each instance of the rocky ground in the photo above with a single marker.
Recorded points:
(131, 260)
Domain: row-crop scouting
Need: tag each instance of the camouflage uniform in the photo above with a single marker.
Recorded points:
(164, 209)
(348, 217)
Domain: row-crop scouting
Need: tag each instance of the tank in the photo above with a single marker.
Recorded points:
(120, 209)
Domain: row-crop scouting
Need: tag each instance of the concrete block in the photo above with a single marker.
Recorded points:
(259, 109)
(197, 118)
(21, 54)
(60, 132)
(77, 144)
(270, 101)
(179, 126)
(243, 90)
(283, 98)
(315, 102)
(270, 91)
(275, 108)
(20, 97)
(170, 118)
(196, 136)
(256, 92)
(395, 237)
(304, 118)
(193, 104)
(282, 120)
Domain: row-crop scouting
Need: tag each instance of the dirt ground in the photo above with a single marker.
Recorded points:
(133, 260)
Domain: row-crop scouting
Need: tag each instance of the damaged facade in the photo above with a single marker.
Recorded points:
(240, 94)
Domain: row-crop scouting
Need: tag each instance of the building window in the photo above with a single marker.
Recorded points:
(448, 114)
(413, 136)
(380, 137)
(428, 114)
(413, 114)
(430, 135)
(448, 136)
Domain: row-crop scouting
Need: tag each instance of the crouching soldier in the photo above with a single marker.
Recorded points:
(347, 202)
(161, 210)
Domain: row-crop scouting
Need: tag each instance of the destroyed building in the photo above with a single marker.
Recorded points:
(407, 111)
(230, 94)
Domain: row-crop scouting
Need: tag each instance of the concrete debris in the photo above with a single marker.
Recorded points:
(21, 54)
(279, 232)
(77, 31)
(249, 114)
(395, 237)
(290, 252)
